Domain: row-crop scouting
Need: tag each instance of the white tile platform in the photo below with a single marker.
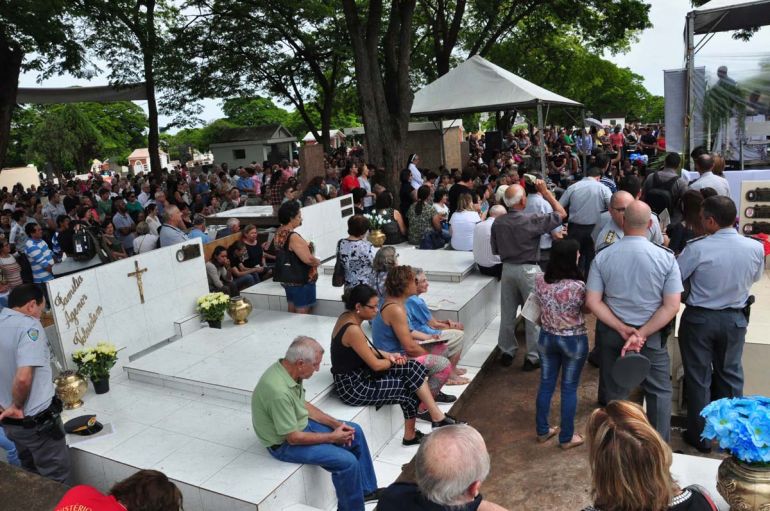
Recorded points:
(184, 409)
(446, 265)
(246, 212)
(474, 302)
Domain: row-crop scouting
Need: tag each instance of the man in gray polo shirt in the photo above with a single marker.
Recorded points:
(585, 201)
(704, 164)
(516, 239)
(171, 231)
(28, 410)
(634, 290)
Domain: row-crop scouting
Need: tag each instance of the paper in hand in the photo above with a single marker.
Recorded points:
(531, 309)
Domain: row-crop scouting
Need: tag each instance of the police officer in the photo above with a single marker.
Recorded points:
(720, 270)
(29, 411)
(634, 289)
(585, 201)
(609, 229)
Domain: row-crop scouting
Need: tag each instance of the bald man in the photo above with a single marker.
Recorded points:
(516, 239)
(634, 289)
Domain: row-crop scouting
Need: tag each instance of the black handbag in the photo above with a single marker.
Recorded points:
(289, 269)
(338, 278)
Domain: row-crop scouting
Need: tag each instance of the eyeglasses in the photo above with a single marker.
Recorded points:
(373, 307)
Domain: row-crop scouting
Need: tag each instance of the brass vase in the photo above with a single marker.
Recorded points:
(377, 238)
(239, 309)
(70, 388)
(745, 487)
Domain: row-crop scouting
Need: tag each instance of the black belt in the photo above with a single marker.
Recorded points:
(524, 262)
(29, 422)
(695, 307)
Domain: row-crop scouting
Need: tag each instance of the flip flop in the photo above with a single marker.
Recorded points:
(459, 371)
(458, 380)
(541, 439)
(572, 444)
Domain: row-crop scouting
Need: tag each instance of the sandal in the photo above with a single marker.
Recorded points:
(459, 371)
(418, 436)
(541, 439)
(574, 443)
(458, 380)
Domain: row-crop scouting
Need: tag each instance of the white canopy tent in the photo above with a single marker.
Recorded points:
(478, 85)
(102, 94)
(712, 17)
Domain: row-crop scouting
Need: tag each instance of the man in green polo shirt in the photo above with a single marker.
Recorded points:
(294, 430)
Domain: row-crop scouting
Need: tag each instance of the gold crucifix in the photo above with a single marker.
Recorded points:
(138, 275)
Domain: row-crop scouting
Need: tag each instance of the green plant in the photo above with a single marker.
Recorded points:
(95, 363)
(212, 306)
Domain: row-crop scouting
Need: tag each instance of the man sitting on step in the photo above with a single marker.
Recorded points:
(450, 465)
(294, 430)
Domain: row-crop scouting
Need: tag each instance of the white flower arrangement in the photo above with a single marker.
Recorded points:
(375, 221)
(212, 306)
(96, 362)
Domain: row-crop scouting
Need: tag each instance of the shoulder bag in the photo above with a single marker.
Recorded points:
(289, 269)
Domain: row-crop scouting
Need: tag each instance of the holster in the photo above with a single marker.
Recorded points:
(747, 308)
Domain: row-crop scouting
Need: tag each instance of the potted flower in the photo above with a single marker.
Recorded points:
(95, 363)
(212, 307)
(742, 427)
(376, 236)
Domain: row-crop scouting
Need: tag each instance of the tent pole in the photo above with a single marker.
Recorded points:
(690, 116)
(540, 127)
(441, 133)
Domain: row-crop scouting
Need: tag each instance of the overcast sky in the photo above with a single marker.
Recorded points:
(658, 48)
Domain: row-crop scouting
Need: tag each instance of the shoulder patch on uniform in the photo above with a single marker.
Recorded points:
(33, 333)
(696, 239)
(610, 237)
(663, 247)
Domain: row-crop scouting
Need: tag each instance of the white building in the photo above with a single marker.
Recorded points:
(336, 138)
(241, 146)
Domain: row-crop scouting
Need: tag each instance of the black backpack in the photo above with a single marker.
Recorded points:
(84, 244)
(661, 195)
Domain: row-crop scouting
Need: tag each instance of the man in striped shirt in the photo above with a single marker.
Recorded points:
(39, 255)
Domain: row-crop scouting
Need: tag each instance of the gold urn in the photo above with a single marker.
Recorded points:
(239, 309)
(377, 238)
(743, 486)
(70, 388)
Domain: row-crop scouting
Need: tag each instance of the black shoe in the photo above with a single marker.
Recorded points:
(445, 398)
(424, 416)
(506, 360)
(448, 420)
(530, 366)
(700, 446)
(375, 495)
(414, 441)
(593, 357)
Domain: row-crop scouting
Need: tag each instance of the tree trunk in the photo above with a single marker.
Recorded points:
(153, 137)
(10, 69)
(386, 98)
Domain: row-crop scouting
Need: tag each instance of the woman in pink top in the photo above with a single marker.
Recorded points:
(563, 343)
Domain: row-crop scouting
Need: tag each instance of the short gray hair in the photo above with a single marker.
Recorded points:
(142, 228)
(496, 211)
(515, 198)
(448, 461)
(168, 212)
(232, 222)
(303, 348)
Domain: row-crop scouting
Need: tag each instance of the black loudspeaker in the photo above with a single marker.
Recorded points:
(494, 140)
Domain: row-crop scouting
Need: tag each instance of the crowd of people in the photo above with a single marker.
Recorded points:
(611, 237)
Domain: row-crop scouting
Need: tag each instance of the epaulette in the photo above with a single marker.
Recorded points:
(697, 239)
(655, 215)
(664, 247)
(604, 247)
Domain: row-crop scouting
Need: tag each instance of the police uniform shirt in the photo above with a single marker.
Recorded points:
(537, 204)
(170, 235)
(23, 343)
(721, 268)
(608, 232)
(634, 274)
(711, 180)
(585, 201)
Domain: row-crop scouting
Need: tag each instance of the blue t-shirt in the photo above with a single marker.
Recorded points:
(419, 315)
(384, 337)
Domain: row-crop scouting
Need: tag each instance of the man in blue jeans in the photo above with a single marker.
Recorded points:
(294, 430)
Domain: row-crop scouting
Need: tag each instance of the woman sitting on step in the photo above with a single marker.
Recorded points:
(364, 375)
(631, 463)
(391, 333)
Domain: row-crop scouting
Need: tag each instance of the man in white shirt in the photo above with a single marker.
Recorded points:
(144, 198)
(488, 263)
(704, 164)
(537, 204)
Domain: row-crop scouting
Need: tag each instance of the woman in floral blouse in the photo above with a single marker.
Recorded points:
(422, 216)
(357, 253)
(563, 343)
